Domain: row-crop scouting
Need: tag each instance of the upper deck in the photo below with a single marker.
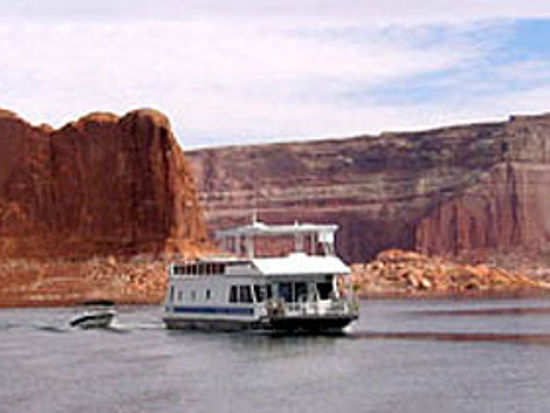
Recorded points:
(312, 239)
(312, 254)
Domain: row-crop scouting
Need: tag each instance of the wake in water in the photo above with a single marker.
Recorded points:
(523, 338)
(115, 327)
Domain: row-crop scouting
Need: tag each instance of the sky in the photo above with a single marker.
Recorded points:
(254, 71)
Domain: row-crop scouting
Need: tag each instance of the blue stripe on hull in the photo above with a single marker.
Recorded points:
(214, 310)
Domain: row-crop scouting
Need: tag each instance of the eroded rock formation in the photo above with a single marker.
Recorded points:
(98, 191)
(102, 185)
(471, 189)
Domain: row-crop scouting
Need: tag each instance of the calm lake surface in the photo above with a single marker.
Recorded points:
(402, 356)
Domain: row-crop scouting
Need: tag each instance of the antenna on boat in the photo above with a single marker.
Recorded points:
(255, 206)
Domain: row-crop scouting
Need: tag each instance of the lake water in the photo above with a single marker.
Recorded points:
(402, 356)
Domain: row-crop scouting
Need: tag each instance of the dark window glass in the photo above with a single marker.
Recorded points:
(284, 291)
(269, 291)
(324, 290)
(245, 294)
(208, 294)
(180, 295)
(233, 294)
(260, 293)
(300, 291)
(171, 293)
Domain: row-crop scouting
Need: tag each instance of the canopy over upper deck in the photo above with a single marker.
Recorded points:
(301, 264)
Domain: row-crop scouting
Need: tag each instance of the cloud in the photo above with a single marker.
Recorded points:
(217, 78)
(371, 11)
(237, 72)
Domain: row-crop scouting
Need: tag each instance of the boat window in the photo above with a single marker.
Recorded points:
(208, 294)
(233, 294)
(245, 294)
(180, 295)
(172, 293)
(201, 269)
(218, 268)
(300, 291)
(284, 291)
(193, 295)
(269, 291)
(260, 293)
(324, 290)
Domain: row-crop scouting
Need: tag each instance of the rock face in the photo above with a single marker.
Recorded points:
(471, 189)
(507, 209)
(99, 186)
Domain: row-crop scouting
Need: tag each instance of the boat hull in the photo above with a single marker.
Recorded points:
(93, 320)
(302, 324)
(312, 324)
(211, 325)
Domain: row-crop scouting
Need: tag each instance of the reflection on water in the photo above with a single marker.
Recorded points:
(449, 336)
(487, 311)
(405, 356)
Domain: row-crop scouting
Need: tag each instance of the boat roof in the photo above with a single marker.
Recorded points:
(300, 264)
(259, 228)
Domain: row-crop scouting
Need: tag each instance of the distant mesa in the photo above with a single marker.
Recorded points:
(478, 191)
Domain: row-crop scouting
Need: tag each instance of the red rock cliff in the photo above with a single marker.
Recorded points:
(507, 209)
(102, 185)
(445, 191)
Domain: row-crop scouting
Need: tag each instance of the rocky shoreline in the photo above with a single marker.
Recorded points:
(27, 283)
(406, 274)
(142, 280)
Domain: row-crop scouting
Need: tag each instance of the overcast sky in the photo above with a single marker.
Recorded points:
(229, 72)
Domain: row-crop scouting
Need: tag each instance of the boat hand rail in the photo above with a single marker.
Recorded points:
(334, 306)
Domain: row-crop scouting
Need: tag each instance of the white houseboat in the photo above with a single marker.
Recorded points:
(305, 290)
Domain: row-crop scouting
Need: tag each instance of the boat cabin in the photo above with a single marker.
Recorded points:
(250, 290)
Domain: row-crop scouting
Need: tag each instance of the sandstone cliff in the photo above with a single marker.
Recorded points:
(99, 190)
(102, 185)
(470, 190)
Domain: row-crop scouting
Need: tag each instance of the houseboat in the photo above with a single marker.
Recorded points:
(304, 289)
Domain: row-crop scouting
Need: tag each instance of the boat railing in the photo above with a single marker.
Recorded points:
(337, 306)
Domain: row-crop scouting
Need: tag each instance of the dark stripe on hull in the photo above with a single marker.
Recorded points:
(214, 310)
